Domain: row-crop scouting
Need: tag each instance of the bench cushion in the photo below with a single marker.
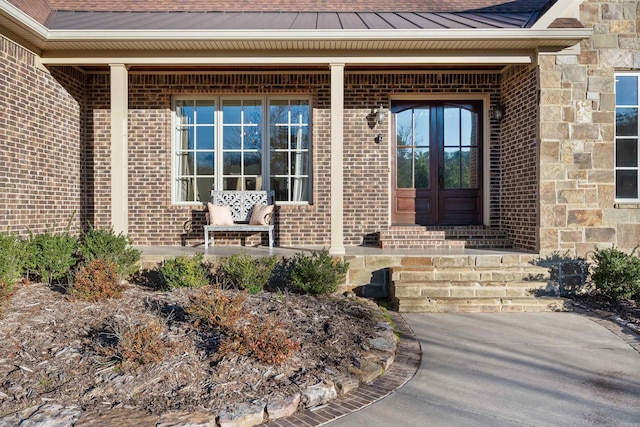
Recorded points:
(219, 215)
(261, 215)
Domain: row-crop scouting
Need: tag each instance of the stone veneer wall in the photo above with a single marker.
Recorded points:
(519, 157)
(40, 144)
(153, 219)
(577, 194)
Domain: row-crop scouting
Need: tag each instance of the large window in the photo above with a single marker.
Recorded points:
(242, 144)
(627, 134)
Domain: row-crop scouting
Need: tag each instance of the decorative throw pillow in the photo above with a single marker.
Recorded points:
(261, 215)
(219, 215)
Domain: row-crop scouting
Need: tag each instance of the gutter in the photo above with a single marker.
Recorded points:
(576, 34)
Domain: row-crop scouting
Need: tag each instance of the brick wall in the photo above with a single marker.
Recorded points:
(154, 220)
(577, 195)
(41, 144)
(519, 157)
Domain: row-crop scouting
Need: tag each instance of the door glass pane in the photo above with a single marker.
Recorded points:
(627, 153)
(469, 128)
(451, 126)
(468, 167)
(451, 168)
(626, 90)
(403, 168)
(421, 119)
(627, 184)
(422, 167)
(403, 128)
(626, 122)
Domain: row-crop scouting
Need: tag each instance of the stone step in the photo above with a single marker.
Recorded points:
(470, 274)
(479, 305)
(466, 289)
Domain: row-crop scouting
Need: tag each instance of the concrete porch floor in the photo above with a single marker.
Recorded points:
(161, 252)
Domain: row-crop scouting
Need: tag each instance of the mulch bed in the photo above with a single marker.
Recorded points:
(56, 349)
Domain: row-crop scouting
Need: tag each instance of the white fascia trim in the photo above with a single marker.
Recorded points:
(522, 58)
(561, 9)
(18, 16)
(319, 35)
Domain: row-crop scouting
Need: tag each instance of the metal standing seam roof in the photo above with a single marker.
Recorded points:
(174, 20)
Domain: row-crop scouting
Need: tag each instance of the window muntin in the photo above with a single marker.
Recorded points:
(228, 143)
(242, 144)
(627, 176)
(195, 149)
(289, 157)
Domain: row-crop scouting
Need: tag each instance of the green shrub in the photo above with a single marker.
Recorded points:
(106, 244)
(247, 272)
(97, 280)
(616, 273)
(11, 260)
(184, 272)
(318, 273)
(50, 257)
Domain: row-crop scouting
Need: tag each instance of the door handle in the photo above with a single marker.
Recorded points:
(441, 177)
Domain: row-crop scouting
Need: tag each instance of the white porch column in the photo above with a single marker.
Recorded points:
(337, 172)
(119, 157)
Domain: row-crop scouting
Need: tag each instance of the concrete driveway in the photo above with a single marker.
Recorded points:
(505, 369)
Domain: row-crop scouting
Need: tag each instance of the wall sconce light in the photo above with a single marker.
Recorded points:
(377, 117)
(381, 114)
(497, 113)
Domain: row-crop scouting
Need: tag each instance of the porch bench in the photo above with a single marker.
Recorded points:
(241, 204)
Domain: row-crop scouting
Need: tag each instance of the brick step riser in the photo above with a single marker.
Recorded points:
(442, 235)
(423, 245)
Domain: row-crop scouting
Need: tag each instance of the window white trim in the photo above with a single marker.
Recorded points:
(219, 125)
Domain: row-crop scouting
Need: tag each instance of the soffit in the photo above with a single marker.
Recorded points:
(192, 34)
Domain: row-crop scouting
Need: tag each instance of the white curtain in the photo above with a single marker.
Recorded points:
(183, 143)
(299, 183)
